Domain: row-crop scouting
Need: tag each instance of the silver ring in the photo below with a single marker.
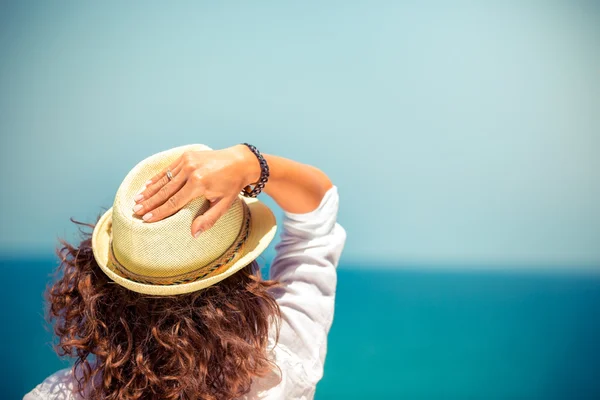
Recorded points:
(169, 174)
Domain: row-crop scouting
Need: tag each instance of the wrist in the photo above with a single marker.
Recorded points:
(248, 163)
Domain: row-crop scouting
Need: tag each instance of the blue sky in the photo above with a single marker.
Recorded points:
(458, 133)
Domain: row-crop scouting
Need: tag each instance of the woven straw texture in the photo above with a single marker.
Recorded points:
(163, 257)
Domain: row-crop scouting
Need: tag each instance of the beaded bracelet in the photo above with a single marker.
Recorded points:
(264, 174)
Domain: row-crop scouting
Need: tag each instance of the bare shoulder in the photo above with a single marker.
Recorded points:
(59, 385)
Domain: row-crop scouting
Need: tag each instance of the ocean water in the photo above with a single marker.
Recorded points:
(402, 334)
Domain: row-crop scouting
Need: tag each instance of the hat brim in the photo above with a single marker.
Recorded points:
(262, 231)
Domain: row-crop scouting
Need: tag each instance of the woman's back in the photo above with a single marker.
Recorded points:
(305, 267)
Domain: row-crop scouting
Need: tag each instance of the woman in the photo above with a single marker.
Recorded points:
(223, 333)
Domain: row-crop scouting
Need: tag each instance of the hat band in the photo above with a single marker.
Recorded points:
(213, 268)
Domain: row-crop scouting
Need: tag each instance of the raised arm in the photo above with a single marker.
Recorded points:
(295, 187)
(220, 175)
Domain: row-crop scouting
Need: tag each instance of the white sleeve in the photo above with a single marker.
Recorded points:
(305, 264)
(33, 395)
(59, 385)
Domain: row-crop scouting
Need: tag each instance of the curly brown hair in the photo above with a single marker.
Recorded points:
(208, 344)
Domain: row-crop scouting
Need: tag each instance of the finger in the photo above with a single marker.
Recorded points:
(206, 221)
(164, 193)
(163, 174)
(173, 204)
(150, 190)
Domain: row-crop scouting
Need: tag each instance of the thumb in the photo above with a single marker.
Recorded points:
(206, 221)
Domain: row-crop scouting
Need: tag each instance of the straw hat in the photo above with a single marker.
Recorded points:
(162, 257)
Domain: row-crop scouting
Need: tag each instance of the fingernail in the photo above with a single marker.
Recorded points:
(138, 196)
(148, 182)
(147, 216)
(137, 207)
(198, 232)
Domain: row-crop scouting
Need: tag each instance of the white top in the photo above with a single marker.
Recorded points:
(305, 263)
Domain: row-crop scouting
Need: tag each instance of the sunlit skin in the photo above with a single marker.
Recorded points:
(220, 175)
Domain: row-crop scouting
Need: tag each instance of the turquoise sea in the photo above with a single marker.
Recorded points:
(398, 334)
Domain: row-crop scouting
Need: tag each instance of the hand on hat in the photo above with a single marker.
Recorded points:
(219, 175)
